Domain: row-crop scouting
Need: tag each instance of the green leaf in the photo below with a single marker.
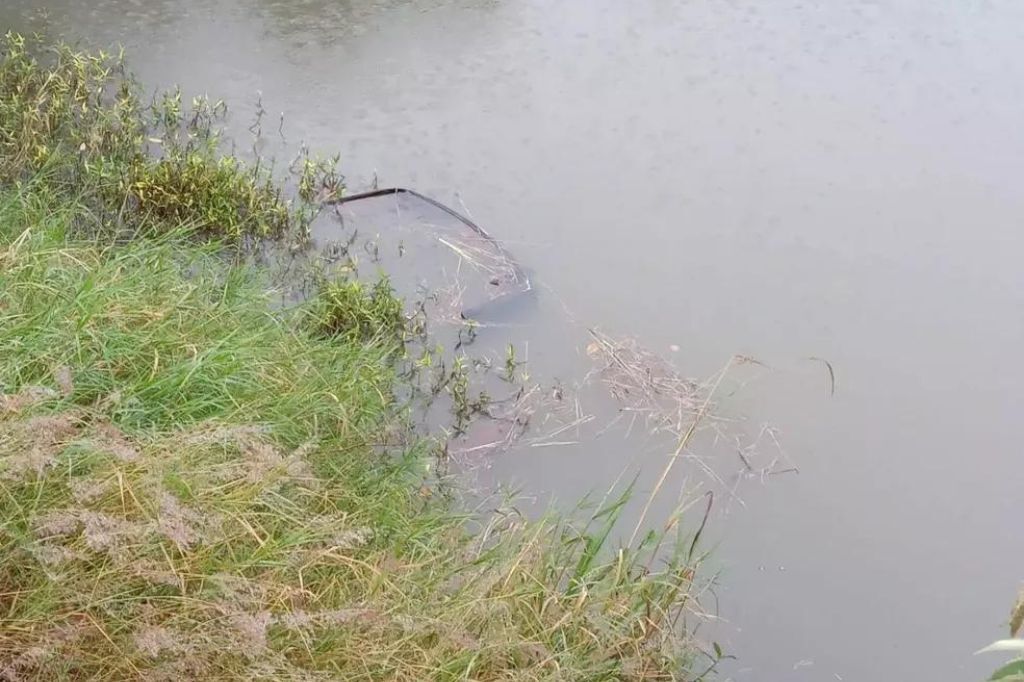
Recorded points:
(594, 543)
(718, 649)
(1011, 672)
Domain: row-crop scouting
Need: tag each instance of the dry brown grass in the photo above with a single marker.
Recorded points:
(213, 553)
(649, 389)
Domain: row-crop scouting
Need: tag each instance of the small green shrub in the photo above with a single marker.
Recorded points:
(350, 310)
(216, 196)
(75, 121)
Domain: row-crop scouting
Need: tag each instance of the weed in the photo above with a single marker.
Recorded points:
(352, 311)
(319, 179)
(510, 363)
(76, 121)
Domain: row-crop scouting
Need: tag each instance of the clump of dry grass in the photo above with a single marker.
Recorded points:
(189, 489)
(494, 265)
(646, 385)
(269, 577)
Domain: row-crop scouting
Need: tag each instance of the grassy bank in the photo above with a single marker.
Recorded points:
(195, 485)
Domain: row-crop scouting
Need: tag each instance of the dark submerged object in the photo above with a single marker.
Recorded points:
(504, 289)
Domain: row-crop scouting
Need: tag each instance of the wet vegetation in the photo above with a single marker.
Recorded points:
(195, 484)
(352, 311)
(77, 121)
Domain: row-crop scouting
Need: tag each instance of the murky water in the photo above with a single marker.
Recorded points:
(784, 180)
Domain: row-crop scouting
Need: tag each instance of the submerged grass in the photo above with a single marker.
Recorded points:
(193, 483)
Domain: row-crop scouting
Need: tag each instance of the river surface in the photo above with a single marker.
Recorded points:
(780, 179)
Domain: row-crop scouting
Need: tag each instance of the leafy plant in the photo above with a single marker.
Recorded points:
(75, 121)
(350, 310)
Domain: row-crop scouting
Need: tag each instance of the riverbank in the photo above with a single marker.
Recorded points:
(198, 485)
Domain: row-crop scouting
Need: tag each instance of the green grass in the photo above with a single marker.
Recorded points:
(352, 311)
(197, 485)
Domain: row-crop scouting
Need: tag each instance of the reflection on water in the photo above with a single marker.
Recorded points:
(803, 179)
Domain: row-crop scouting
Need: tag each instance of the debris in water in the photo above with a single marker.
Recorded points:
(474, 248)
